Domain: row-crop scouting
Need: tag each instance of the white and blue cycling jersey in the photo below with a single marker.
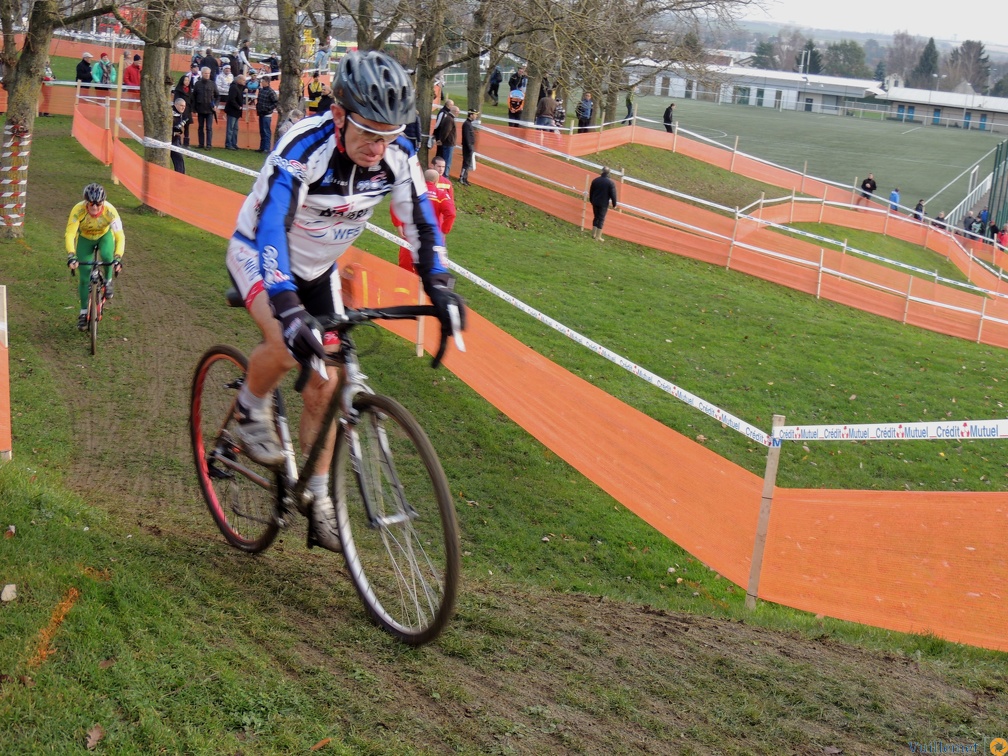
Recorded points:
(310, 202)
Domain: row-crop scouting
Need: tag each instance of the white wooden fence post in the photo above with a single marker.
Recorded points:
(763, 523)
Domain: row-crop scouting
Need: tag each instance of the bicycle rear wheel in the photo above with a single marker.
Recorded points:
(240, 494)
(94, 312)
(396, 521)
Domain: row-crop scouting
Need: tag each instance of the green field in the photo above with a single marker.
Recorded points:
(923, 161)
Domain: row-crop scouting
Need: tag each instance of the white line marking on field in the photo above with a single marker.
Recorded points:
(912, 130)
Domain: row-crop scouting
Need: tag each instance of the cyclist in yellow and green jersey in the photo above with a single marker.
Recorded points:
(94, 224)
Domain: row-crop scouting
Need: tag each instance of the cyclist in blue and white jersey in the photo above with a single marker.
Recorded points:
(312, 199)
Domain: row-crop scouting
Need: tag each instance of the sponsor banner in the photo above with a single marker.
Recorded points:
(931, 431)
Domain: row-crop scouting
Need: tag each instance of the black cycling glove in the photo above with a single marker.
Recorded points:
(439, 288)
(301, 332)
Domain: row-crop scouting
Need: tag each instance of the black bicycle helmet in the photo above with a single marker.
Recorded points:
(94, 193)
(376, 87)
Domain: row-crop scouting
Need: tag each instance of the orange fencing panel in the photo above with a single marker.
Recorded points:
(685, 491)
(910, 561)
(94, 138)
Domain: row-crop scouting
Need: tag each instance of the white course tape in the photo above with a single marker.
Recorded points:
(726, 418)
(933, 431)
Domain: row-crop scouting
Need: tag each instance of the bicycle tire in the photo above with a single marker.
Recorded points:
(244, 509)
(405, 567)
(94, 309)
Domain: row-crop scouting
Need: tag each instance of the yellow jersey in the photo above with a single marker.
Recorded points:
(82, 223)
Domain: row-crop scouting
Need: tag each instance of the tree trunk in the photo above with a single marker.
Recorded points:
(427, 67)
(475, 85)
(22, 102)
(290, 58)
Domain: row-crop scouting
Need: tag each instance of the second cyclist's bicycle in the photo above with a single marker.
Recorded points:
(394, 510)
(96, 294)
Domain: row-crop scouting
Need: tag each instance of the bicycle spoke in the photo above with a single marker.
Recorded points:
(396, 521)
(240, 494)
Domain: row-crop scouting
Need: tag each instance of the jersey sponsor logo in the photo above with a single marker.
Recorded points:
(329, 178)
(271, 267)
(345, 234)
(293, 167)
(373, 183)
(331, 212)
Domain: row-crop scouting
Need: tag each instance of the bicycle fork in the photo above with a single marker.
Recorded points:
(375, 512)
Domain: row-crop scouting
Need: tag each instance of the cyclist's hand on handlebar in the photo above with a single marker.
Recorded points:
(117, 265)
(72, 263)
(440, 289)
(450, 311)
(301, 332)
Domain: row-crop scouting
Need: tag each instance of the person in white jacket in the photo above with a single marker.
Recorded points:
(223, 81)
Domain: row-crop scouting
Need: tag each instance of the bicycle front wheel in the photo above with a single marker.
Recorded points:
(240, 494)
(94, 312)
(396, 521)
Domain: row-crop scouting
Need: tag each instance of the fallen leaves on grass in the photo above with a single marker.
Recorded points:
(94, 736)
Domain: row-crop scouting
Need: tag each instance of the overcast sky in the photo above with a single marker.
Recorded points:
(925, 18)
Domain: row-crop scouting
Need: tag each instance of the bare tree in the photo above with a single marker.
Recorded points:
(159, 28)
(290, 57)
(790, 43)
(23, 82)
(904, 54)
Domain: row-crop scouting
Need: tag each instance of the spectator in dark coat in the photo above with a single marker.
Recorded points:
(233, 110)
(414, 132)
(205, 105)
(601, 194)
(468, 147)
(209, 61)
(493, 91)
(180, 123)
(266, 103)
(186, 89)
(444, 133)
(669, 117)
(326, 101)
(84, 73)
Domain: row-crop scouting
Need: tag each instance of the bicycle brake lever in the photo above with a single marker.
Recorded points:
(318, 364)
(456, 322)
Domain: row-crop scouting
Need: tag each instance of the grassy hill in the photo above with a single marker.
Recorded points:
(585, 643)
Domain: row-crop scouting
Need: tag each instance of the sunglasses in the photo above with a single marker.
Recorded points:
(374, 135)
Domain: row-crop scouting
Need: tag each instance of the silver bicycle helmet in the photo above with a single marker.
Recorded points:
(375, 86)
(94, 193)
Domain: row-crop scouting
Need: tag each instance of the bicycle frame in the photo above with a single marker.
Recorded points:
(351, 381)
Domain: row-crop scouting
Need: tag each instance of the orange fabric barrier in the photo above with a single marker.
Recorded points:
(908, 561)
(864, 293)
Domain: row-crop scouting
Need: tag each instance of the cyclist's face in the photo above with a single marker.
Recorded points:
(365, 140)
(95, 208)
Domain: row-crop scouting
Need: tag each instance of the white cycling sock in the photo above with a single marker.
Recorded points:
(256, 406)
(319, 485)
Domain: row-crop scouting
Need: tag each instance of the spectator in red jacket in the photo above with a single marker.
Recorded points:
(444, 211)
(131, 76)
